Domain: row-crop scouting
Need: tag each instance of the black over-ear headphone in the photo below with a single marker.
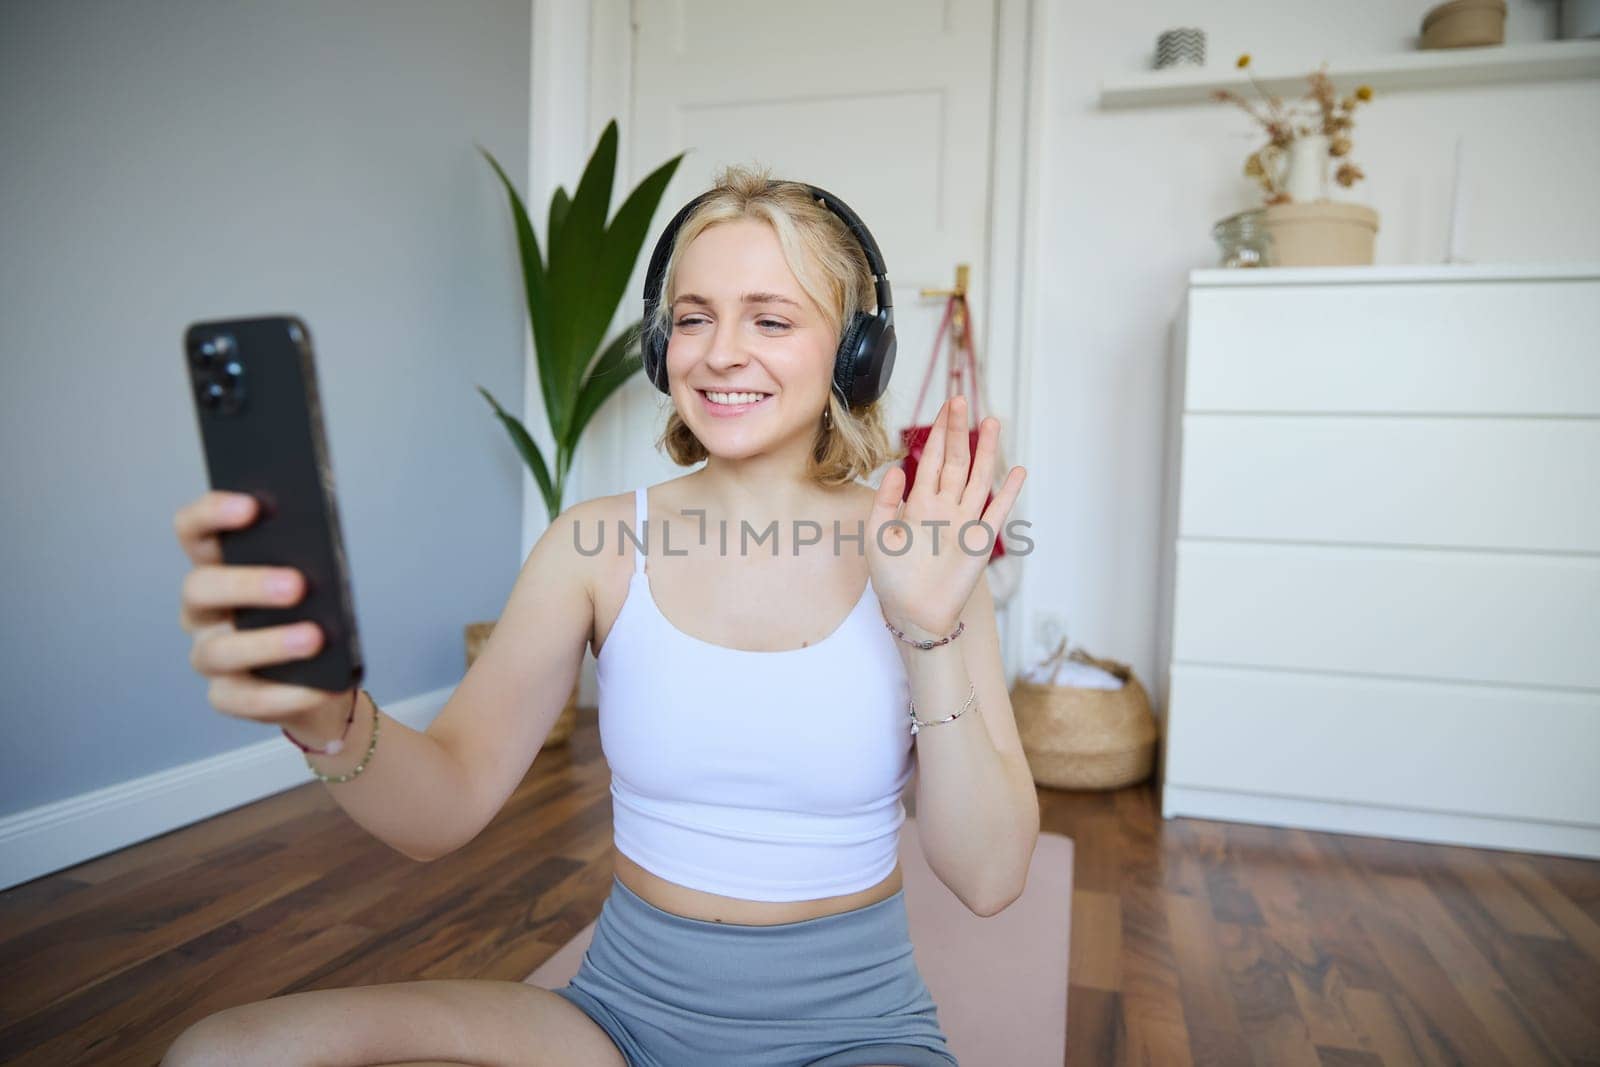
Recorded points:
(866, 351)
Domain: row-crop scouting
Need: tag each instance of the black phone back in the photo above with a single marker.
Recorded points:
(255, 393)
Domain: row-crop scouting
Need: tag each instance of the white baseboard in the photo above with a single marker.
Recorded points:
(58, 835)
(1407, 824)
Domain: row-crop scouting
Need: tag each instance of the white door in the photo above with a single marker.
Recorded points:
(887, 105)
(894, 105)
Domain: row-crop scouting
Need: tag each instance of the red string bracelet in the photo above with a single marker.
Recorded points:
(335, 746)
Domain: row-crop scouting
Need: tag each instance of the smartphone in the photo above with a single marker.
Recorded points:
(254, 383)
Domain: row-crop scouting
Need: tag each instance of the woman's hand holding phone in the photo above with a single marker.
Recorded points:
(210, 593)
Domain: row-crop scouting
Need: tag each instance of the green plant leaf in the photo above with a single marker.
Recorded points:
(616, 365)
(572, 296)
(530, 453)
(592, 201)
(573, 261)
(558, 214)
(536, 286)
(620, 250)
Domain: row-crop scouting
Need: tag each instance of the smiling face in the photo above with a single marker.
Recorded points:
(742, 324)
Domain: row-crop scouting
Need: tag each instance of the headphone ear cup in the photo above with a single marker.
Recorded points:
(653, 346)
(873, 360)
(653, 350)
(847, 362)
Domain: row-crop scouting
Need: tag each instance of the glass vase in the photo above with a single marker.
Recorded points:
(1243, 239)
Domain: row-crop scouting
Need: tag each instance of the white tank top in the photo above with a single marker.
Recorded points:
(757, 775)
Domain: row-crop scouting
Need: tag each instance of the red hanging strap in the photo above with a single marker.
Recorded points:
(915, 436)
(962, 350)
(927, 379)
(975, 394)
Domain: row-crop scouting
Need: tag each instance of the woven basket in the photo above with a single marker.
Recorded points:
(1086, 738)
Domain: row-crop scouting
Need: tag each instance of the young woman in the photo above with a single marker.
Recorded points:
(756, 704)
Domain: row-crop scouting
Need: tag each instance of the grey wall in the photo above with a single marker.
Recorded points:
(164, 161)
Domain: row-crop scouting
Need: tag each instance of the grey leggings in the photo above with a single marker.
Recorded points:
(835, 991)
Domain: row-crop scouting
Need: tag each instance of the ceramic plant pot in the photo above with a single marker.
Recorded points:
(1579, 19)
(1464, 24)
(1324, 233)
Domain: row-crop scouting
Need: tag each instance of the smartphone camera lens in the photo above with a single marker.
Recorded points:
(219, 373)
(212, 350)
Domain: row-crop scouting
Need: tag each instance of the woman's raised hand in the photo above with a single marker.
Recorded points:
(210, 593)
(924, 575)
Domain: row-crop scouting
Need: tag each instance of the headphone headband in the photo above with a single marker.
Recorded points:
(880, 273)
(866, 352)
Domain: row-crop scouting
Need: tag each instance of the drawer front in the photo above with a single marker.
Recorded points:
(1524, 483)
(1468, 749)
(1505, 347)
(1411, 613)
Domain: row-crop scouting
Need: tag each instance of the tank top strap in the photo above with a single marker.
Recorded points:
(641, 509)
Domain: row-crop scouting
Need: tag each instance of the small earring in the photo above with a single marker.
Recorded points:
(826, 420)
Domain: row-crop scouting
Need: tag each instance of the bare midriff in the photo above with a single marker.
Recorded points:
(713, 907)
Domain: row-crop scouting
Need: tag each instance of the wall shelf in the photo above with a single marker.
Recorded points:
(1399, 273)
(1539, 61)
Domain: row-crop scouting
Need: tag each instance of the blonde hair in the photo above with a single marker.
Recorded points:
(830, 266)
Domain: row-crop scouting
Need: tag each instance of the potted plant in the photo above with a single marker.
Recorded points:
(1305, 227)
(572, 296)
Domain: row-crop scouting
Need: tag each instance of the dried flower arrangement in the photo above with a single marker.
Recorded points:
(1328, 116)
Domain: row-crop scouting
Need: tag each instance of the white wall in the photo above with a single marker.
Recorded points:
(1128, 199)
(172, 160)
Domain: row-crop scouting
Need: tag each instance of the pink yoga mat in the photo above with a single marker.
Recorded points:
(1000, 982)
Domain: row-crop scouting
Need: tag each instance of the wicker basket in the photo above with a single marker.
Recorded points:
(1086, 738)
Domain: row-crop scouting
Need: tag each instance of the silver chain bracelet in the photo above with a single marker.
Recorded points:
(961, 624)
(917, 724)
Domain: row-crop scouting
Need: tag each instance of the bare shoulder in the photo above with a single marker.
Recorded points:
(582, 526)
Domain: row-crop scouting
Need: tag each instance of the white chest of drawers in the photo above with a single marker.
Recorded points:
(1381, 596)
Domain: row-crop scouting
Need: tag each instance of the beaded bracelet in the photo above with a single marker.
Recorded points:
(925, 645)
(916, 723)
(372, 745)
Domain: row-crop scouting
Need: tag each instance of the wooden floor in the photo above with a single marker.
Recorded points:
(1192, 941)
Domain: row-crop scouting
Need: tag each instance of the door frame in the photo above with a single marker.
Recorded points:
(590, 45)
